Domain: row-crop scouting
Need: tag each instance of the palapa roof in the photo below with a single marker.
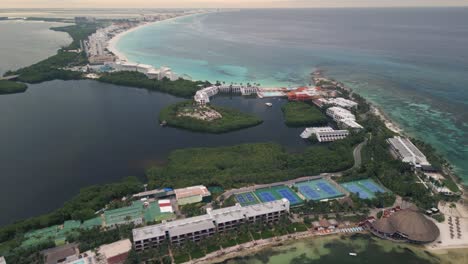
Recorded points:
(415, 226)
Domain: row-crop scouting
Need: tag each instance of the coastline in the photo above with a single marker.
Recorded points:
(112, 43)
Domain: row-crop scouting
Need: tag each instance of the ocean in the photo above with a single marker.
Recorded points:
(412, 63)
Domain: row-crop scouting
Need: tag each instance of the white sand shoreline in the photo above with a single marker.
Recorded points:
(112, 43)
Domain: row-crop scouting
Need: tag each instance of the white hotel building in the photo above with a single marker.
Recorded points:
(407, 152)
(215, 221)
(203, 96)
(324, 134)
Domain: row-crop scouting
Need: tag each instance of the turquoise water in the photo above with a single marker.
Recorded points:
(412, 63)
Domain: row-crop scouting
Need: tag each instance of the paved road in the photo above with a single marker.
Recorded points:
(357, 154)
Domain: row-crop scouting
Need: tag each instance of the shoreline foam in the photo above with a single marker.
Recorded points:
(112, 43)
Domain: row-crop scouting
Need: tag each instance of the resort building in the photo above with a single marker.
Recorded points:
(406, 151)
(203, 96)
(338, 113)
(193, 194)
(115, 253)
(303, 94)
(61, 254)
(165, 206)
(406, 226)
(324, 134)
(349, 123)
(199, 227)
(339, 101)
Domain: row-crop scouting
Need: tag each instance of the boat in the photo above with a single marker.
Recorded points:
(163, 123)
(353, 254)
(269, 104)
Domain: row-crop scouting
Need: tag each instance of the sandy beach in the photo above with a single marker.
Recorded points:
(112, 43)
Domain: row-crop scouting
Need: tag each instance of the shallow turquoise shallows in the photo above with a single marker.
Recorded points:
(413, 63)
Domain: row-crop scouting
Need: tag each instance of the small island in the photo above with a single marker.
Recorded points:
(10, 87)
(206, 118)
(297, 114)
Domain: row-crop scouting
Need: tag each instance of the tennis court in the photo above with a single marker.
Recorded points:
(365, 189)
(247, 198)
(278, 192)
(318, 190)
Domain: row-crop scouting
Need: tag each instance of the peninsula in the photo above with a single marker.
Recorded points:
(203, 204)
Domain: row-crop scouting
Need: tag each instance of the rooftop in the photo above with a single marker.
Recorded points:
(192, 191)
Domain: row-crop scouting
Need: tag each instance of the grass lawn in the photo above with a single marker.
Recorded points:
(297, 114)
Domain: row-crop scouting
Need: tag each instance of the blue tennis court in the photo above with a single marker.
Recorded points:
(318, 190)
(247, 198)
(365, 189)
(278, 192)
(267, 197)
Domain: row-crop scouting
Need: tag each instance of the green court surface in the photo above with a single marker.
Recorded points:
(277, 193)
(92, 223)
(318, 190)
(153, 213)
(365, 189)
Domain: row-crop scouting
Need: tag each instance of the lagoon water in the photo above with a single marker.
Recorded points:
(61, 136)
(26, 42)
(412, 62)
(336, 249)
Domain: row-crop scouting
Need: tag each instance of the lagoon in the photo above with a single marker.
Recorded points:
(61, 136)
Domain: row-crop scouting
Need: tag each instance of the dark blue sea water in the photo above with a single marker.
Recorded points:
(412, 62)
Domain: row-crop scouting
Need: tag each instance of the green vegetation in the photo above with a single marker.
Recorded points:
(298, 114)
(180, 87)
(81, 207)
(52, 67)
(231, 119)
(439, 217)
(10, 87)
(241, 165)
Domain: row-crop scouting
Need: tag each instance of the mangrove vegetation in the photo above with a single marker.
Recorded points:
(209, 119)
(299, 114)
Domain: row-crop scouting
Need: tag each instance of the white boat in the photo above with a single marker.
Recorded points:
(353, 254)
(269, 104)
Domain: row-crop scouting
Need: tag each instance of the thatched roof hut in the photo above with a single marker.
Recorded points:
(407, 225)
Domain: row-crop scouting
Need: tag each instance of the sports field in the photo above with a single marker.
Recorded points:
(366, 189)
(278, 192)
(247, 198)
(318, 190)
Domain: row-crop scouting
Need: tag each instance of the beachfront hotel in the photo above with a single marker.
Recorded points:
(203, 226)
(202, 96)
(324, 134)
(339, 113)
(406, 151)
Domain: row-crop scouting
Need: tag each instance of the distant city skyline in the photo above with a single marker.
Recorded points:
(223, 3)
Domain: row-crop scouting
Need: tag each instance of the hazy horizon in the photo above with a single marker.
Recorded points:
(49, 4)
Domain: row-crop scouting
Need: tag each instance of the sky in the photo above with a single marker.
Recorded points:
(222, 3)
